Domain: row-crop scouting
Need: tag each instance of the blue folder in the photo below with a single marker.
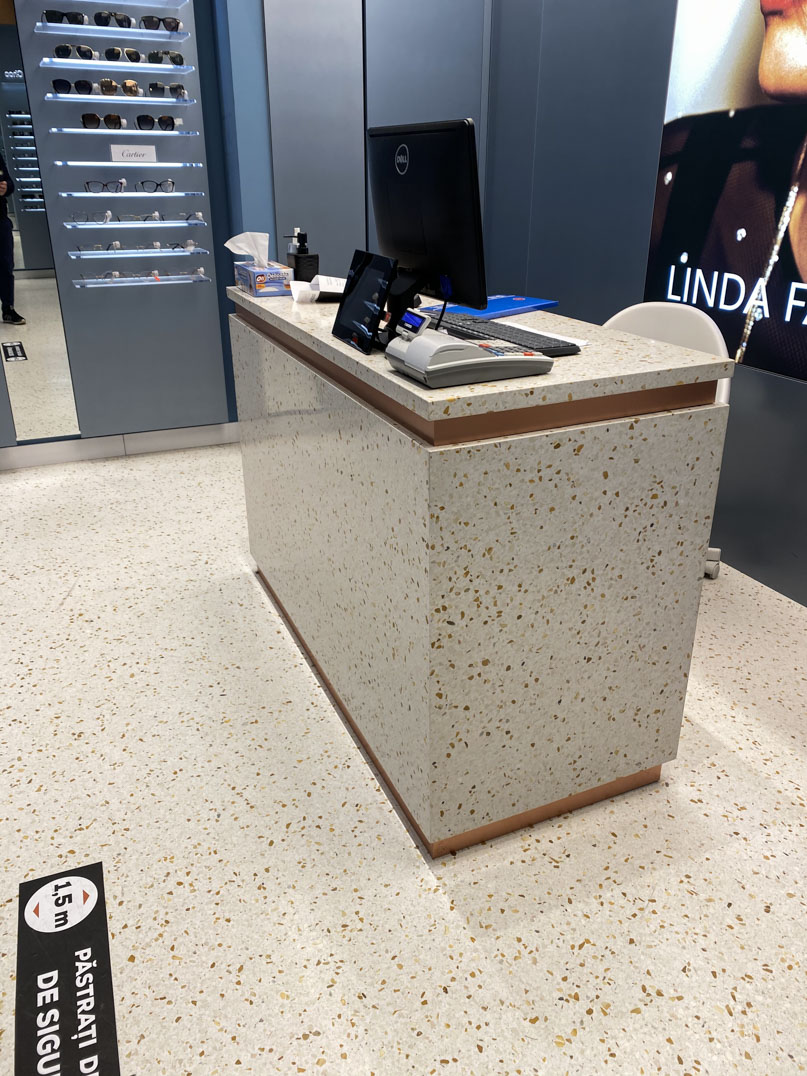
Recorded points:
(499, 306)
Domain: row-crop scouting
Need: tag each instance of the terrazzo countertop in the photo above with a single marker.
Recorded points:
(610, 363)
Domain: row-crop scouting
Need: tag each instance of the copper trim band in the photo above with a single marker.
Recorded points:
(451, 431)
(491, 829)
(549, 810)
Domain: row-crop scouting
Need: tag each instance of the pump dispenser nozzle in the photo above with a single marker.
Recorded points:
(304, 264)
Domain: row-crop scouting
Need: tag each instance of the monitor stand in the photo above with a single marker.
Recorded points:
(403, 294)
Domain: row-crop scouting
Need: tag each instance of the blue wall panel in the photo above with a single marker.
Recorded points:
(443, 78)
(761, 513)
(578, 94)
(316, 99)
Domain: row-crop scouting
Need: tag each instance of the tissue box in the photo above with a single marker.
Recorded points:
(271, 279)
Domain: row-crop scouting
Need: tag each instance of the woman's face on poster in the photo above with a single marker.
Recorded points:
(783, 63)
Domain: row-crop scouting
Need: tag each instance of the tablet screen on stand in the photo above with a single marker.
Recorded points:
(363, 300)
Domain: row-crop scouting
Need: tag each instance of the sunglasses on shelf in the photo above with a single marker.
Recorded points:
(173, 57)
(64, 85)
(131, 217)
(176, 89)
(152, 186)
(84, 52)
(165, 123)
(115, 54)
(74, 17)
(152, 22)
(180, 217)
(109, 87)
(106, 18)
(92, 121)
(99, 186)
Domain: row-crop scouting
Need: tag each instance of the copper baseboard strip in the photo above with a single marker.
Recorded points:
(549, 810)
(451, 431)
(492, 829)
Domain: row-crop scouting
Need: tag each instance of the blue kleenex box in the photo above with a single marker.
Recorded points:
(271, 279)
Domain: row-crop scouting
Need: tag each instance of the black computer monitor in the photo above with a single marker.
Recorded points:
(425, 189)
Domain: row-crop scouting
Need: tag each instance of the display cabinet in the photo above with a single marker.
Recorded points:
(117, 118)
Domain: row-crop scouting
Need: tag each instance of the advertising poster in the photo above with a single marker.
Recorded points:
(730, 220)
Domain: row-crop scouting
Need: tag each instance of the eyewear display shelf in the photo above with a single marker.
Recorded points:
(145, 349)
(503, 592)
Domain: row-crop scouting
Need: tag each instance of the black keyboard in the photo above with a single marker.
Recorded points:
(467, 327)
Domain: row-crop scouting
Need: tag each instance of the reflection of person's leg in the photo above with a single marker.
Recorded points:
(6, 265)
(7, 273)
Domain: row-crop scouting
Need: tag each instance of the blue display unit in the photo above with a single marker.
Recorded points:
(129, 213)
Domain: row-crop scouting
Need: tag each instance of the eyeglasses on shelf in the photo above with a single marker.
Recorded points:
(152, 22)
(64, 85)
(152, 186)
(92, 121)
(118, 274)
(74, 17)
(131, 217)
(102, 217)
(116, 245)
(99, 186)
(106, 216)
(84, 52)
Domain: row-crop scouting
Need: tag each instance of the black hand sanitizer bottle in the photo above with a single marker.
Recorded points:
(304, 264)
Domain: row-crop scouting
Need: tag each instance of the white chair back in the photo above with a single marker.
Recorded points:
(675, 323)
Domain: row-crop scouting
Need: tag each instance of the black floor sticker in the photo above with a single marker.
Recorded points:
(65, 1022)
(13, 351)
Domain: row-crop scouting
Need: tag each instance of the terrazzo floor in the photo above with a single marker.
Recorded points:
(269, 912)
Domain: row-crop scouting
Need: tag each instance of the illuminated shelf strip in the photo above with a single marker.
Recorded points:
(122, 33)
(150, 252)
(127, 131)
(125, 164)
(131, 194)
(114, 225)
(141, 281)
(154, 5)
(147, 101)
(55, 63)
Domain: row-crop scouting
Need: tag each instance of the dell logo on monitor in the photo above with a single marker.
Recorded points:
(402, 159)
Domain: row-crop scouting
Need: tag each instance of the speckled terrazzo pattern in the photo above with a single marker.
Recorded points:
(565, 576)
(337, 503)
(270, 913)
(612, 362)
(483, 612)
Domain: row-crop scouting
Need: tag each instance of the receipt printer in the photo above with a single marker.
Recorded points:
(438, 360)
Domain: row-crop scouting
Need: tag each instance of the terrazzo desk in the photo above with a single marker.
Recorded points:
(499, 583)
